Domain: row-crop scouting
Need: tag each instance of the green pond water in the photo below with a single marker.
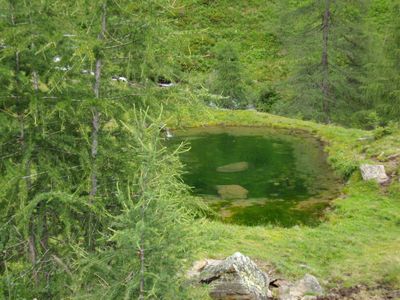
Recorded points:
(258, 176)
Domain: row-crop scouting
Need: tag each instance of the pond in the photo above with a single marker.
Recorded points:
(257, 176)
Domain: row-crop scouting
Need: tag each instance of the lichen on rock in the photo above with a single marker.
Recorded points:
(374, 172)
(236, 278)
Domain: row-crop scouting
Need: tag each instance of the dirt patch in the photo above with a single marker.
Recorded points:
(361, 293)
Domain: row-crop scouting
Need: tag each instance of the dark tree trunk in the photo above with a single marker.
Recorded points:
(142, 275)
(325, 61)
(141, 251)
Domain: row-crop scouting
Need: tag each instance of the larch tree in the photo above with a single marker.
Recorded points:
(382, 83)
(37, 162)
(326, 46)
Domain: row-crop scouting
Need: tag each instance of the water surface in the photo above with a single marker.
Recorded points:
(256, 176)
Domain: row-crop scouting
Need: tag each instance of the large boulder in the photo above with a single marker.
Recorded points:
(232, 191)
(236, 278)
(306, 288)
(374, 172)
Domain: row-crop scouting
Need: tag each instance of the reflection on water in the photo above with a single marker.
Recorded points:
(256, 176)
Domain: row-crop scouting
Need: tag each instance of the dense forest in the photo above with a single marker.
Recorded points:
(92, 204)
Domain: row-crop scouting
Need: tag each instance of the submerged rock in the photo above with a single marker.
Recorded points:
(305, 288)
(232, 191)
(235, 167)
(236, 278)
(374, 172)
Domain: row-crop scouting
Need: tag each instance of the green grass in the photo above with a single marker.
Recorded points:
(248, 24)
(360, 241)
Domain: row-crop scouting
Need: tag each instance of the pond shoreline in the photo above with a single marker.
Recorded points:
(304, 166)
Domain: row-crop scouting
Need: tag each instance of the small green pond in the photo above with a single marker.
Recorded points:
(258, 176)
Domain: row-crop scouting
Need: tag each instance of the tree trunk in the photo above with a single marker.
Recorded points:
(141, 246)
(96, 126)
(142, 270)
(325, 61)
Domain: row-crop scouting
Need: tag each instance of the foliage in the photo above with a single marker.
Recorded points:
(366, 119)
(268, 98)
(325, 90)
(152, 236)
(381, 86)
(228, 79)
(66, 165)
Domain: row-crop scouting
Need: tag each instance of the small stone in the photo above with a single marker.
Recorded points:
(374, 172)
(307, 286)
(366, 138)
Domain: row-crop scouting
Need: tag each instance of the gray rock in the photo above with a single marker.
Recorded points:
(366, 138)
(374, 172)
(251, 107)
(236, 278)
(199, 266)
(303, 289)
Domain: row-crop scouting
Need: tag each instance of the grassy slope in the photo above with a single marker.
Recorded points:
(202, 24)
(359, 243)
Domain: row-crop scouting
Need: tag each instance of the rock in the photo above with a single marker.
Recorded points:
(198, 267)
(235, 167)
(306, 288)
(366, 138)
(236, 278)
(393, 156)
(232, 191)
(374, 172)
(251, 107)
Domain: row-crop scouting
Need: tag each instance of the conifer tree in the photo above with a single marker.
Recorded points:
(382, 84)
(151, 237)
(326, 47)
(45, 198)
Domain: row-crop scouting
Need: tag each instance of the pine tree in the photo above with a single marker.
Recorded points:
(45, 199)
(382, 84)
(65, 168)
(326, 46)
(152, 237)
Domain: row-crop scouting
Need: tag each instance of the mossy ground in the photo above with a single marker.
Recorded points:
(360, 241)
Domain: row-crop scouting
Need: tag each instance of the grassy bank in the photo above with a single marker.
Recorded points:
(360, 241)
